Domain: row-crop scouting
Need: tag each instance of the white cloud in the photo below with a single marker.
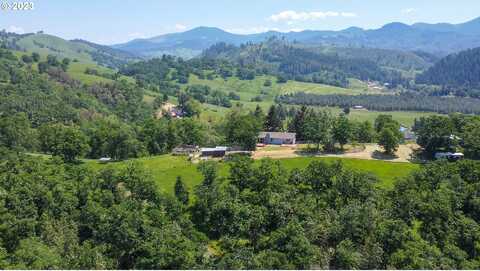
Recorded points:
(291, 15)
(15, 29)
(348, 14)
(408, 11)
(180, 27)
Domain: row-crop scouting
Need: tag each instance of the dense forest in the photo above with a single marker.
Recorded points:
(460, 71)
(401, 102)
(394, 59)
(57, 216)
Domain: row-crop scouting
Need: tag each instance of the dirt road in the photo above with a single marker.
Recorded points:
(371, 152)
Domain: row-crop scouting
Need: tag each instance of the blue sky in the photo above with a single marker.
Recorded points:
(114, 21)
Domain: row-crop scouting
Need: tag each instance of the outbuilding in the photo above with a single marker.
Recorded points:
(213, 152)
(105, 160)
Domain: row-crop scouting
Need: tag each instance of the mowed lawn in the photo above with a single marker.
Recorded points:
(165, 169)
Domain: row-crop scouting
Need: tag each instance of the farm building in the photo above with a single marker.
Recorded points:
(213, 152)
(276, 138)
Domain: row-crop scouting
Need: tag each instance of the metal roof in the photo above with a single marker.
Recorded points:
(213, 149)
(277, 135)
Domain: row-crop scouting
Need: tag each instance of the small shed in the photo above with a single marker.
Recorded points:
(105, 160)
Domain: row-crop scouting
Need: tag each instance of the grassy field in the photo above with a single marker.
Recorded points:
(404, 117)
(248, 89)
(212, 112)
(77, 71)
(47, 44)
(164, 169)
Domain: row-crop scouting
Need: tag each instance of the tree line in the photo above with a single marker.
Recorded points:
(401, 102)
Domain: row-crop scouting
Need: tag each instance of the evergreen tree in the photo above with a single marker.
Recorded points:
(181, 191)
(258, 114)
(297, 125)
(273, 122)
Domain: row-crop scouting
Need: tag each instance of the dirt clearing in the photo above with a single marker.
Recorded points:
(370, 152)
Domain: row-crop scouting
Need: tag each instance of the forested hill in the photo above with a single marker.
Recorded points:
(41, 89)
(457, 70)
(321, 64)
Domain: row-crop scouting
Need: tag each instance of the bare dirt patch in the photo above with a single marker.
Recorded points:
(370, 152)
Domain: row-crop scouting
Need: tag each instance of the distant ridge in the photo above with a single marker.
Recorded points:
(440, 39)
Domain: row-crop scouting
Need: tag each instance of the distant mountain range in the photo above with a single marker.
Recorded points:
(440, 39)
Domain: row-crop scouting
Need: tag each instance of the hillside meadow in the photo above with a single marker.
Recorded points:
(249, 89)
(164, 169)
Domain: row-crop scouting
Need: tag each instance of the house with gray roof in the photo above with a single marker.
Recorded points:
(277, 138)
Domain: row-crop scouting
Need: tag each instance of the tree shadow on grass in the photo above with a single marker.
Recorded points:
(420, 157)
(383, 156)
(316, 152)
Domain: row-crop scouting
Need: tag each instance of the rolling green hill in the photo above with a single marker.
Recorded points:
(80, 50)
(76, 70)
(47, 44)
